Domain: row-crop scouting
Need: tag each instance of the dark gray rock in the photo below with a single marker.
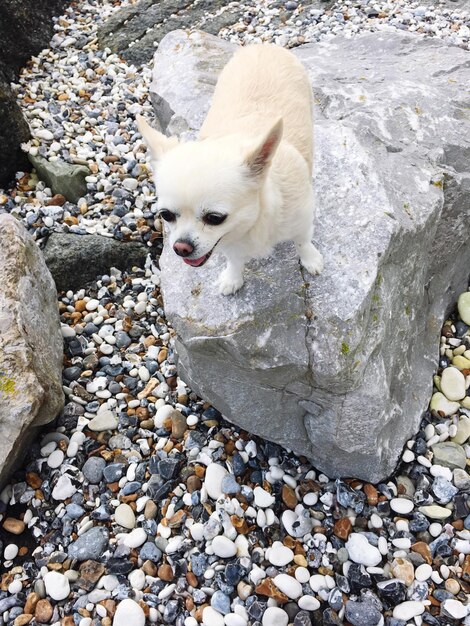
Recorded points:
(26, 27)
(75, 260)
(362, 613)
(13, 131)
(93, 469)
(392, 180)
(64, 178)
(134, 31)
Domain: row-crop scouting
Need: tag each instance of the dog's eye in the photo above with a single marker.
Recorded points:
(166, 215)
(214, 219)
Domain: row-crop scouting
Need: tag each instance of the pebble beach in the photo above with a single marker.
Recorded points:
(140, 504)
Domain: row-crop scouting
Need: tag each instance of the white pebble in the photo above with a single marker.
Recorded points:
(423, 572)
(57, 585)
(215, 473)
(135, 538)
(55, 459)
(275, 616)
(279, 554)
(129, 613)
(211, 617)
(288, 585)
(361, 551)
(223, 547)
(263, 498)
(401, 505)
(308, 603)
(408, 610)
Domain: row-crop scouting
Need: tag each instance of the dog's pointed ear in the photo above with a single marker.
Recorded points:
(259, 159)
(156, 141)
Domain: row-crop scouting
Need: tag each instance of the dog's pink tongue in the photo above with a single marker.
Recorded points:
(195, 262)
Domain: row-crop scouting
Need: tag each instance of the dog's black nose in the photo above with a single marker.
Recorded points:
(183, 247)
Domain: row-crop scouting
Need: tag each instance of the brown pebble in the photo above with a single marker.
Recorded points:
(288, 497)
(23, 619)
(178, 425)
(193, 483)
(165, 572)
(31, 601)
(150, 568)
(57, 200)
(192, 579)
(267, 588)
(33, 480)
(177, 519)
(200, 471)
(422, 548)
(150, 510)
(371, 494)
(110, 606)
(244, 590)
(189, 604)
(43, 612)
(106, 621)
(67, 620)
(466, 569)
(342, 528)
(403, 570)
(91, 571)
(80, 306)
(452, 586)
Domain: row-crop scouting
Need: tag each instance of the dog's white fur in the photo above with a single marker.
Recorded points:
(252, 162)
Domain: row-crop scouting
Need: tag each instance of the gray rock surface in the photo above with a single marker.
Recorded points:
(75, 260)
(64, 178)
(30, 344)
(134, 31)
(338, 367)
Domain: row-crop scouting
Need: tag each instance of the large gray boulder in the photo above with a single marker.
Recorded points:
(338, 367)
(75, 260)
(30, 344)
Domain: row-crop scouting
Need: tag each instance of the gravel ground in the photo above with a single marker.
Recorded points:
(140, 503)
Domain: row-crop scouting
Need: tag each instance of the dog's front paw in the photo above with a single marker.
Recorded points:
(313, 261)
(229, 284)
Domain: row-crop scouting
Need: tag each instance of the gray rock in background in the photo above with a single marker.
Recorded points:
(75, 260)
(26, 26)
(134, 31)
(338, 367)
(64, 178)
(30, 344)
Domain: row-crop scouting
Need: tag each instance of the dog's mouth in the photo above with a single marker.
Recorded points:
(202, 259)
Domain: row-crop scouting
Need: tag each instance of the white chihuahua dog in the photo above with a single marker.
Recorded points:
(245, 184)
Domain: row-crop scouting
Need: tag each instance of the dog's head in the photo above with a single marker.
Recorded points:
(209, 190)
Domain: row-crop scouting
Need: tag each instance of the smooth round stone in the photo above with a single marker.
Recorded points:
(15, 587)
(10, 552)
(463, 306)
(263, 498)
(435, 512)
(233, 619)
(137, 579)
(361, 551)
(279, 554)
(92, 305)
(93, 469)
(90, 545)
(210, 617)
(55, 459)
(288, 585)
(308, 603)
(124, 516)
(129, 613)
(302, 575)
(449, 455)
(275, 616)
(57, 585)
(215, 473)
(162, 414)
(401, 505)
(423, 572)
(454, 609)
(135, 538)
(408, 610)
(441, 404)
(453, 384)
(463, 430)
(223, 547)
